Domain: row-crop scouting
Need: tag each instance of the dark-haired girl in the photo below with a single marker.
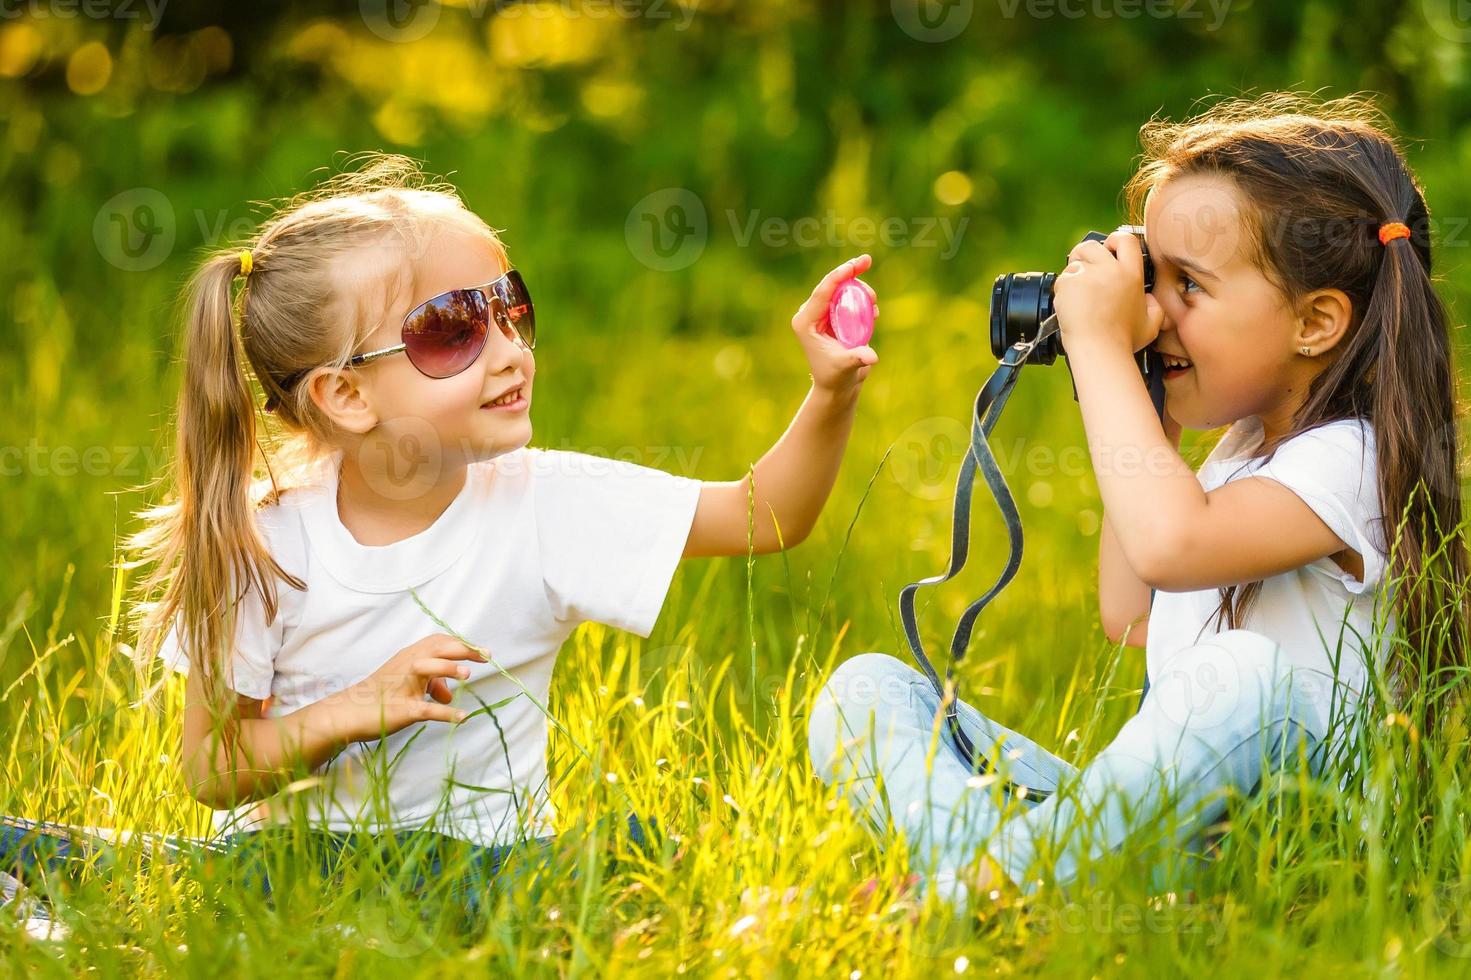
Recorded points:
(1293, 301)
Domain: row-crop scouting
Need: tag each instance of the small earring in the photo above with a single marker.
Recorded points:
(1308, 351)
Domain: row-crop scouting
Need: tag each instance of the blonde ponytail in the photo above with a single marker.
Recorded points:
(205, 545)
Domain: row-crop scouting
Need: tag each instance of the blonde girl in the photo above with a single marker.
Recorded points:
(303, 588)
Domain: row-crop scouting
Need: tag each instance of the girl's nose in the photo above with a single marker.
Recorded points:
(502, 352)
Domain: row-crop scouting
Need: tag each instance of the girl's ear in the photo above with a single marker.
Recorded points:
(340, 396)
(1324, 316)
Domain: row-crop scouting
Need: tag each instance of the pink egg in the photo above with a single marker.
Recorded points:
(851, 314)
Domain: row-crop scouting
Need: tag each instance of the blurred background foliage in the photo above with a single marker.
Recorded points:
(555, 120)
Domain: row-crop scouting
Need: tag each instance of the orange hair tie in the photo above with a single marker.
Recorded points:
(1391, 230)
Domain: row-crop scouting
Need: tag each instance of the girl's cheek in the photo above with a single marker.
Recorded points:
(1173, 306)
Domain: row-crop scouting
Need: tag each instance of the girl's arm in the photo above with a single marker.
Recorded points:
(244, 756)
(794, 477)
(1123, 597)
(1173, 534)
(792, 483)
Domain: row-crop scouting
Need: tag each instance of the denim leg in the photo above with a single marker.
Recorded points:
(876, 717)
(1219, 716)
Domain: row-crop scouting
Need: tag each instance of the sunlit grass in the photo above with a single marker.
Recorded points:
(760, 867)
(1365, 870)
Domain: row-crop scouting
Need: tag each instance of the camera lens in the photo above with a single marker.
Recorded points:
(1022, 301)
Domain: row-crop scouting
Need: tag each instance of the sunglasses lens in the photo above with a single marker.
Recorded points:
(446, 334)
(514, 308)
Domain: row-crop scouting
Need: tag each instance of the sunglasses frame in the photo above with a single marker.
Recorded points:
(484, 288)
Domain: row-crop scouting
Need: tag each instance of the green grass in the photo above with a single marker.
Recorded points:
(759, 871)
(702, 725)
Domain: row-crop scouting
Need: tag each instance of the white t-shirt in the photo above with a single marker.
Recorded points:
(1318, 612)
(537, 542)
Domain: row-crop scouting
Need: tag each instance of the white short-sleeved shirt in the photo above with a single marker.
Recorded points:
(1317, 613)
(537, 542)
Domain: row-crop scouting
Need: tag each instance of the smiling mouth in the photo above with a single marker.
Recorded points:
(1175, 366)
(508, 400)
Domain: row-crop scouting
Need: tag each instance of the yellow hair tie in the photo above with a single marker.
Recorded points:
(247, 262)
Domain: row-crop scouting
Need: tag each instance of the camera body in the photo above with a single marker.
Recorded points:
(1022, 301)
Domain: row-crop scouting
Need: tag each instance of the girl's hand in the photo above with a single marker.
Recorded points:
(392, 697)
(835, 368)
(1100, 297)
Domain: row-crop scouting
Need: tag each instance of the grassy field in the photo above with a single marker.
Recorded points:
(679, 358)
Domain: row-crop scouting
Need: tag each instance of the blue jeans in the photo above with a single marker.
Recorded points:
(1218, 717)
(32, 848)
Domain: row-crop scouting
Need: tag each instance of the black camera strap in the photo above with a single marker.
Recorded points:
(978, 457)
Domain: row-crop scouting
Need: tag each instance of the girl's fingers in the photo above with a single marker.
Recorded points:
(823, 293)
(1084, 251)
(440, 667)
(439, 690)
(853, 267)
(445, 646)
(812, 314)
(440, 712)
(1154, 313)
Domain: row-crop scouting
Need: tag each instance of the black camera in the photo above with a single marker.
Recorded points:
(1022, 301)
